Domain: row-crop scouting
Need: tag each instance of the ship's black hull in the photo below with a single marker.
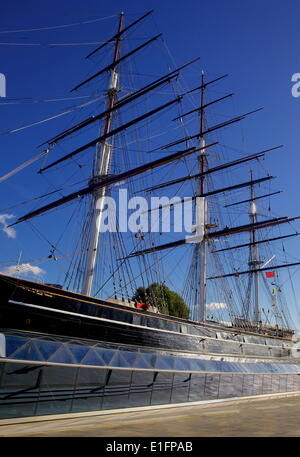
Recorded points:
(29, 306)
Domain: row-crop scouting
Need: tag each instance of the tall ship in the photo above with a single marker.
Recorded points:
(169, 253)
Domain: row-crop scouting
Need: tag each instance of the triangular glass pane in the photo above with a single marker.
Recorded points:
(21, 352)
(195, 365)
(149, 359)
(202, 365)
(182, 364)
(107, 355)
(116, 360)
(130, 357)
(92, 358)
(63, 355)
(162, 364)
(34, 353)
(141, 362)
(47, 348)
(13, 343)
(124, 361)
(79, 352)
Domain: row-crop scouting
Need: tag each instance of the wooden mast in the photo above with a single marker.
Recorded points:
(100, 171)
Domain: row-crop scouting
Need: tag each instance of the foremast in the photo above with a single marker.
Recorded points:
(100, 172)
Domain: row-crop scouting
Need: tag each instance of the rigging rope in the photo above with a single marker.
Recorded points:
(51, 44)
(70, 110)
(23, 165)
(59, 26)
(25, 100)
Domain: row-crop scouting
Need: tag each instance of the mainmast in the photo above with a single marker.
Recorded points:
(201, 246)
(100, 172)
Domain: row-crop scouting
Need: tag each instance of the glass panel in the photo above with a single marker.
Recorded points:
(90, 384)
(107, 355)
(226, 388)
(257, 385)
(237, 385)
(197, 383)
(56, 390)
(182, 364)
(282, 384)
(79, 352)
(248, 385)
(17, 376)
(297, 382)
(19, 389)
(197, 365)
(145, 361)
(212, 386)
(294, 376)
(275, 383)
(116, 393)
(165, 362)
(18, 406)
(13, 344)
(181, 384)
(47, 348)
(267, 387)
(141, 388)
(162, 387)
(290, 383)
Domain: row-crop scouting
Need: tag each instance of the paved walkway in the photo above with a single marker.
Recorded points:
(257, 417)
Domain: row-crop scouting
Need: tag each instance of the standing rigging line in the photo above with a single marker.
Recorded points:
(58, 26)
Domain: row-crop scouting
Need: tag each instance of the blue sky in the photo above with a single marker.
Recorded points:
(256, 42)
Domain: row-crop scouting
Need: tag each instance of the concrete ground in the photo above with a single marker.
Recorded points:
(263, 416)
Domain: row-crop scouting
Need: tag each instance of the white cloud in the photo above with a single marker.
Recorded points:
(23, 269)
(212, 306)
(10, 232)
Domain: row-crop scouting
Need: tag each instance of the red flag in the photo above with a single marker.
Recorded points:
(143, 306)
(270, 274)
